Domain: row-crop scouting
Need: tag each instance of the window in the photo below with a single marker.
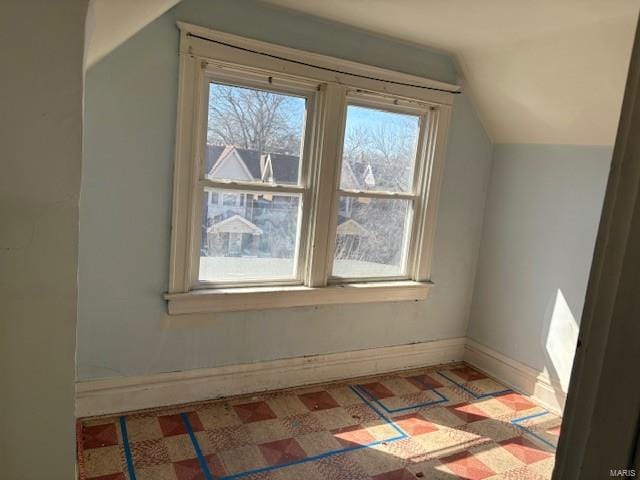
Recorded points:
(296, 185)
(248, 131)
(377, 187)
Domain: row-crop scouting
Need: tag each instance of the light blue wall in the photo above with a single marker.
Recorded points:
(541, 220)
(123, 328)
(269, 23)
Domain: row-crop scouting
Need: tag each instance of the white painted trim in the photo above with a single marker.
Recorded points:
(315, 59)
(179, 276)
(538, 385)
(330, 123)
(239, 61)
(101, 397)
(258, 298)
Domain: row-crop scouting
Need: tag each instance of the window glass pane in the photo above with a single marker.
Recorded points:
(253, 135)
(249, 236)
(370, 237)
(379, 150)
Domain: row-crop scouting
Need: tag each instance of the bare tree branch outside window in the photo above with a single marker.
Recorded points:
(253, 119)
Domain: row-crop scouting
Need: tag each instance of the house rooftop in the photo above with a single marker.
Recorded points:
(281, 168)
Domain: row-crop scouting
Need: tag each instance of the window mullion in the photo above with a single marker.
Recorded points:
(329, 128)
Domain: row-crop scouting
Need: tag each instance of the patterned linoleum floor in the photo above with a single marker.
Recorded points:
(445, 423)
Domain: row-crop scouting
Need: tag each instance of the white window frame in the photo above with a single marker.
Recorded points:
(329, 85)
(413, 196)
(230, 75)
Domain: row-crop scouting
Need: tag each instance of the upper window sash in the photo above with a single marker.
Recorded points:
(226, 75)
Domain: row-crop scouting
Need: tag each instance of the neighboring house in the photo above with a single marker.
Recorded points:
(236, 222)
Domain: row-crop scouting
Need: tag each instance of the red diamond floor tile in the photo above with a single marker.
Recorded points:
(100, 436)
(353, 436)
(525, 450)
(515, 401)
(468, 374)
(468, 412)
(174, 425)
(318, 400)
(414, 424)
(467, 466)
(112, 476)
(298, 438)
(254, 412)
(282, 451)
(402, 474)
(377, 390)
(424, 382)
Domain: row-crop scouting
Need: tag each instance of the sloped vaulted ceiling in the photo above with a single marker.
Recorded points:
(539, 71)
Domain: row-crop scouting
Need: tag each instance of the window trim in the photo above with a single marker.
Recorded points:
(257, 298)
(323, 155)
(301, 88)
(425, 113)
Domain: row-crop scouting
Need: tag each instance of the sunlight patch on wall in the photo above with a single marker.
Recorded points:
(561, 339)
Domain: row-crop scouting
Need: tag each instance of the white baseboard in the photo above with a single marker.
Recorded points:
(101, 397)
(544, 390)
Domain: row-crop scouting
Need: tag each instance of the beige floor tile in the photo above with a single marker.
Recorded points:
(104, 460)
(236, 444)
(218, 415)
(318, 443)
(496, 458)
(287, 405)
(267, 431)
(486, 385)
(441, 417)
(431, 470)
(495, 430)
(493, 407)
(334, 418)
(179, 447)
(143, 428)
(400, 386)
(242, 459)
(156, 472)
(376, 460)
(439, 443)
(381, 431)
(345, 396)
(301, 471)
(544, 467)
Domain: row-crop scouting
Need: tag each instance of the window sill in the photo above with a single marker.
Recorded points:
(259, 298)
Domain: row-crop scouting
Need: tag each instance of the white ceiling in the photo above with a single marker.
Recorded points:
(539, 71)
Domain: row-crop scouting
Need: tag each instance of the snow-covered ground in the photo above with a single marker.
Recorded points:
(244, 268)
